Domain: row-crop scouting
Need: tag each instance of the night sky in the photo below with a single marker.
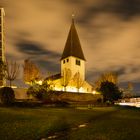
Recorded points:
(109, 32)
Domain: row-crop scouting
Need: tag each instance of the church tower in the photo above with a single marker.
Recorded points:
(73, 57)
(2, 58)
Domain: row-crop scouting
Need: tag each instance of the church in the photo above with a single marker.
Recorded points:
(72, 75)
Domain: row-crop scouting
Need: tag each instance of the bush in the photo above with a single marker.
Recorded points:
(110, 92)
(7, 95)
(38, 91)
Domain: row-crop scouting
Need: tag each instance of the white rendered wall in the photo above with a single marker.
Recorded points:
(71, 64)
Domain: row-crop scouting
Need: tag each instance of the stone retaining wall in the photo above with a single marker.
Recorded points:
(76, 97)
(20, 93)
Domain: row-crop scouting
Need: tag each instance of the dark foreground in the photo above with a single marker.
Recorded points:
(99, 123)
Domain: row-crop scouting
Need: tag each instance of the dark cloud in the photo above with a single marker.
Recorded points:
(134, 69)
(120, 71)
(128, 8)
(48, 66)
(125, 9)
(34, 51)
(92, 76)
(88, 14)
(32, 48)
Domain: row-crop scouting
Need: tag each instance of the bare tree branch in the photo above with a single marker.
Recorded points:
(78, 81)
(31, 72)
(11, 72)
(66, 77)
(110, 77)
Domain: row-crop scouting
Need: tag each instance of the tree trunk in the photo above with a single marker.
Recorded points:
(65, 89)
(10, 82)
(78, 90)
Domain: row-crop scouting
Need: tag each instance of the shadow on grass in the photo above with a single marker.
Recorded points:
(23, 104)
(59, 129)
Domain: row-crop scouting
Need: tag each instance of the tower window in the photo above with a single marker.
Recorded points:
(67, 60)
(77, 62)
(63, 61)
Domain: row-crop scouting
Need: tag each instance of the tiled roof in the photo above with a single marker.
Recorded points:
(54, 77)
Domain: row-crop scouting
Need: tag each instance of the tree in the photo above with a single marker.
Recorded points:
(66, 77)
(110, 91)
(11, 72)
(110, 77)
(31, 72)
(40, 92)
(130, 86)
(128, 92)
(78, 81)
(50, 80)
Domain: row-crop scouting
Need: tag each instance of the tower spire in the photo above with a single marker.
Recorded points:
(73, 16)
(73, 46)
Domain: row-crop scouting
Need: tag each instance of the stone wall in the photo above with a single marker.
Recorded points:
(76, 97)
(20, 94)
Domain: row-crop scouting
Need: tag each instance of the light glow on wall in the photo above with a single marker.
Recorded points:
(94, 92)
(39, 82)
(69, 89)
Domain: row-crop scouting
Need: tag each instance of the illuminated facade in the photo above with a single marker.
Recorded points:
(2, 44)
(72, 76)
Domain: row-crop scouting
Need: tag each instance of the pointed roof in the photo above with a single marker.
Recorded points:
(73, 46)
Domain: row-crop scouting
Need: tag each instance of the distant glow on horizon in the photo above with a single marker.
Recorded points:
(130, 104)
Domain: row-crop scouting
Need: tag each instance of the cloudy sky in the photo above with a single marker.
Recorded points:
(109, 31)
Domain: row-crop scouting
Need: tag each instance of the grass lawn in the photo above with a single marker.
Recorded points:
(103, 123)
